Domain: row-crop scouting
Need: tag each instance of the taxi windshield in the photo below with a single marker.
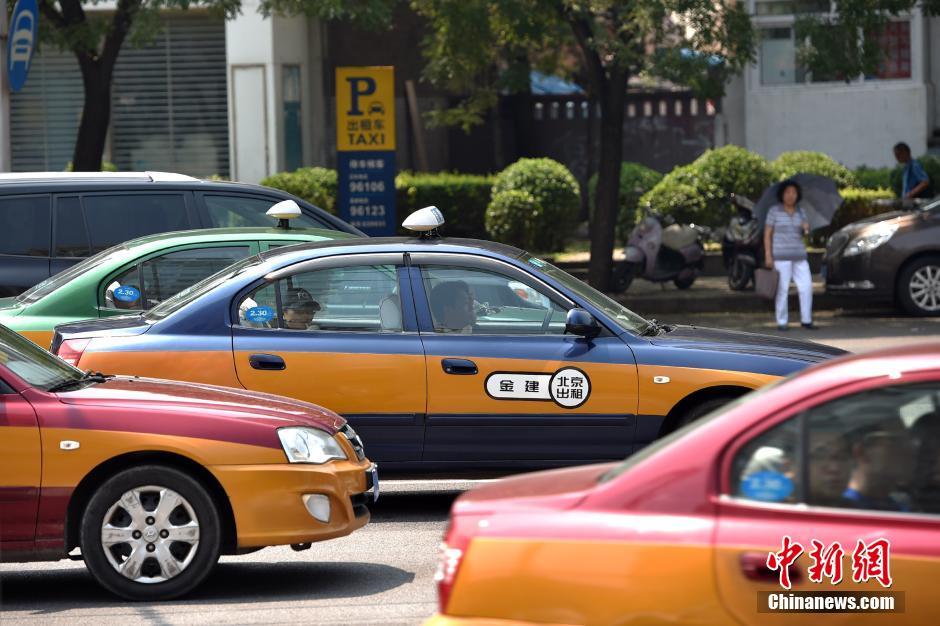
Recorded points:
(625, 318)
(34, 365)
(684, 431)
(43, 289)
(184, 297)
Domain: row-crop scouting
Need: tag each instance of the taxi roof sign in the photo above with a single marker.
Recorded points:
(424, 220)
(283, 211)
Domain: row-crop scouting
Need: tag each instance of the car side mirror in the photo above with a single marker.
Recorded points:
(580, 322)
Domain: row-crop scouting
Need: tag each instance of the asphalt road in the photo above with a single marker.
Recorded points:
(383, 574)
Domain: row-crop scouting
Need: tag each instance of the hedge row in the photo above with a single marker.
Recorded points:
(533, 203)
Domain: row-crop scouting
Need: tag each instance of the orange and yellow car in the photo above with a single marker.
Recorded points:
(813, 501)
(153, 480)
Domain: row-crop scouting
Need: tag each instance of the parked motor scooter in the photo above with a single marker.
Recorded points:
(660, 250)
(742, 247)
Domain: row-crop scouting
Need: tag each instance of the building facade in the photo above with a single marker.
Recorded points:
(776, 105)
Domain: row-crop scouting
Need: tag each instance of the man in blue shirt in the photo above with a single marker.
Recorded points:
(914, 182)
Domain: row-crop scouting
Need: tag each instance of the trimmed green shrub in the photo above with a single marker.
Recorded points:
(931, 166)
(545, 223)
(699, 192)
(462, 198)
(635, 180)
(873, 177)
(807, 162)
(316, 185)
(509, 216)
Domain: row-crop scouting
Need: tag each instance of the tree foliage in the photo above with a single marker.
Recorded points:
(843, 44)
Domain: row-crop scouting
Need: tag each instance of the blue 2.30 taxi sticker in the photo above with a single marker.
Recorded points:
(127, 293)
(259, 314)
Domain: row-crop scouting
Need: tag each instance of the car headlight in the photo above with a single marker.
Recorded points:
(870, 241)
(309, 445)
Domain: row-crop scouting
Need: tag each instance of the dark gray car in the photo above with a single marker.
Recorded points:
(889, 257)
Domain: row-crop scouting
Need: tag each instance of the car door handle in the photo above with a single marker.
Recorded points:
(459, 367)
(266, 362)
(754, 567)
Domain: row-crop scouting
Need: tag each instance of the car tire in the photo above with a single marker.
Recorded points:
(918, 287)
(684, 281)
(701, 409)
(149, 506)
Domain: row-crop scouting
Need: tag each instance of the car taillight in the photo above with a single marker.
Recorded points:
(447, 565)
(71, 350)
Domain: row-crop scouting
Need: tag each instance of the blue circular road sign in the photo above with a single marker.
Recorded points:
(24, 27)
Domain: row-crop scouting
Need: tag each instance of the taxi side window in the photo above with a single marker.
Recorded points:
(877, 450)
(480, 302)
(147, 284)
(361, 298)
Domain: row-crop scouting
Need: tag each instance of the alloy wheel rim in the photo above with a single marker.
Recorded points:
(150, 535)
(924, 288)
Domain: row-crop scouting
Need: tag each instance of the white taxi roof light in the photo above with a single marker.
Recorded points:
(424, 220)
(283, 211)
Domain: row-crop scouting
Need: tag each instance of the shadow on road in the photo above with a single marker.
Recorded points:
(59, 590)
(413, 507)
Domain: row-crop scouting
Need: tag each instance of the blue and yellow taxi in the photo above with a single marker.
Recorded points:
(442, 353)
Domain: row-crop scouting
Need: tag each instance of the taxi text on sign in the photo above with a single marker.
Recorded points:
(365, 142)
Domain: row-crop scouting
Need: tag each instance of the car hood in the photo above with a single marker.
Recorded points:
(699, 338)
(204, 401)
(552, 490)
(901, 216)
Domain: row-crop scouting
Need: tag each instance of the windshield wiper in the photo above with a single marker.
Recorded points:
(87, 377)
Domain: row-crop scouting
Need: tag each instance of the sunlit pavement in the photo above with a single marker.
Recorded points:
(383, 574)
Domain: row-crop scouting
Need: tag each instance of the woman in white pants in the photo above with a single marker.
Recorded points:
(784, 230)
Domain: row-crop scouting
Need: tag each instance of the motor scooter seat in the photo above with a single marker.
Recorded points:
(678, 236)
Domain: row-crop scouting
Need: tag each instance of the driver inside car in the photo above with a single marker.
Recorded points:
(453, 307)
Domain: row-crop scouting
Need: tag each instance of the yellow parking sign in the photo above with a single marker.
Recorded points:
(365, 108)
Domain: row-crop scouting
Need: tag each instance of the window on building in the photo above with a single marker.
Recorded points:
(895, 44)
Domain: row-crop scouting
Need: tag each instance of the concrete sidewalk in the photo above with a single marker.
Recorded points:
(711, 294)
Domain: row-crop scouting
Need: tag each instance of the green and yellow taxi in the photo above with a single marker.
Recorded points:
(140, 274)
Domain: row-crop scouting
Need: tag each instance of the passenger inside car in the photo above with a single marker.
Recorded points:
(883, 453)
(829, 463)
(925, 494)
(298, 315)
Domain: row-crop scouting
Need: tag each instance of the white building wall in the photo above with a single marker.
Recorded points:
(856, 123)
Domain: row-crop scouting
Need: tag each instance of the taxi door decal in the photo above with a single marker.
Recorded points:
(568, 387)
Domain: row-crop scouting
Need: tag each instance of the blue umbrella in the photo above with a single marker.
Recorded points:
(820, 200)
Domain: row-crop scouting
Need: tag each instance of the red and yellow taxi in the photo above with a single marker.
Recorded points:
(153, 480)
(823, 488)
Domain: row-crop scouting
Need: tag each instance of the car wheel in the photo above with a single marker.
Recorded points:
(919, 286)
(150, 533)
(685, 280)
(700, 409)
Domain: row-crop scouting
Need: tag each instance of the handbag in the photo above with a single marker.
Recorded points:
(765, 283)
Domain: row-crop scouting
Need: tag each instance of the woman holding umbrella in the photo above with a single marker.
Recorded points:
(784, 228)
